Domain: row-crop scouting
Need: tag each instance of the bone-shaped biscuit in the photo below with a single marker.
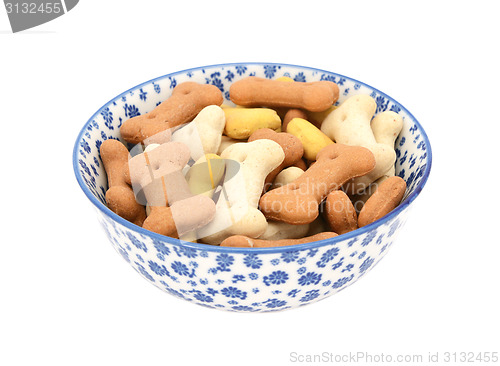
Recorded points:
(243, 189)
(120, 196)
(157, 176)
(246, 242)
(314, 96)
(386, 127)
(278, 230)
(242, 122)
(349, 124)
(203, 134)
(186, 101)
(297, 202)
(311, 137)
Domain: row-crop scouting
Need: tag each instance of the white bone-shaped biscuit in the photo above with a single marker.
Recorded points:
(349, 124)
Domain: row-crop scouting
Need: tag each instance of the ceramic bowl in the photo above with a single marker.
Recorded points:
(246, 279)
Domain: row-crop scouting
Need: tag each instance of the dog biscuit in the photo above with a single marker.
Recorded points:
(314, 96)
(186, 101)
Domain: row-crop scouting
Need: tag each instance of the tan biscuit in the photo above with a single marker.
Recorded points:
(297, 202)
(246, 242)
(385, 199)
(120, 196)
(291, 145)
(186, 101)
(255, 92)
(291, 114)
(157, 176)
(340, 212)
(114, 156)
(161, 221)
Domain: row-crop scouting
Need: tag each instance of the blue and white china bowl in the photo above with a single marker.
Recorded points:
(245, 279)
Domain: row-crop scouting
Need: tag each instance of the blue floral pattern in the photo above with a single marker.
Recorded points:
(252, 261)
(245, 280)
(275, 278)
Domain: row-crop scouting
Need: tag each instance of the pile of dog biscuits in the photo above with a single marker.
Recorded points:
(284, 166)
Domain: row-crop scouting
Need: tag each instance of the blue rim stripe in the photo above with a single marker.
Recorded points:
(206, 247)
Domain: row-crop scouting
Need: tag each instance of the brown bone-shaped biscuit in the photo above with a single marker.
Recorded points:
(157, 174)
(340, 212)
(385, 199)
(314, 96)
(297, 202)
(120, 196)
(186, 101)
(291, 145)
(247, 242)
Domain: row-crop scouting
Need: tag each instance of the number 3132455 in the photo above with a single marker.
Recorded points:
(33, 8)
(471, 357)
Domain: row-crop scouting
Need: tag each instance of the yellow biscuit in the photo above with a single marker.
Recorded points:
(311, 137)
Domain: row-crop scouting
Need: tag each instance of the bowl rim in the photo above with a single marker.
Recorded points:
(215, 248)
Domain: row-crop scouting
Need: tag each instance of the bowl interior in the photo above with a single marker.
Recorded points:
(412, 146)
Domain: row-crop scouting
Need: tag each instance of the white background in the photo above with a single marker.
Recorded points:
(67, 298)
